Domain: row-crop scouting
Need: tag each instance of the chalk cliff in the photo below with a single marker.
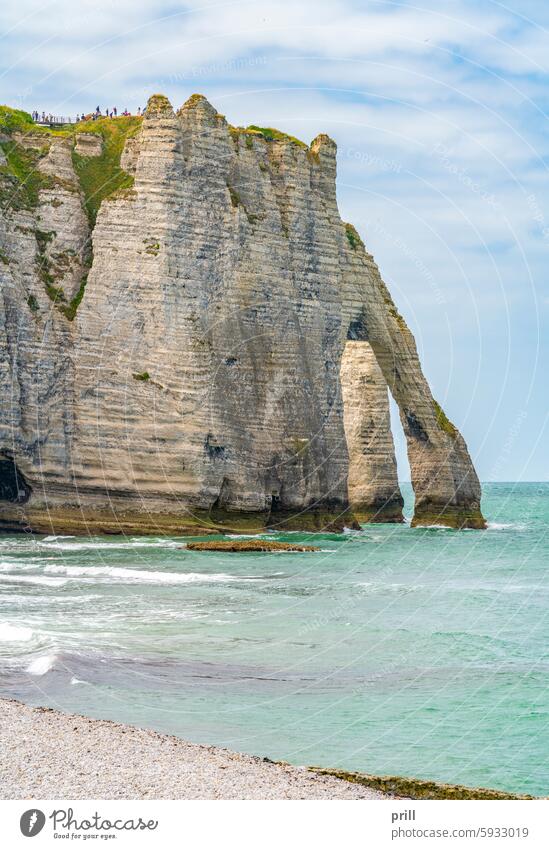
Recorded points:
(191, 337)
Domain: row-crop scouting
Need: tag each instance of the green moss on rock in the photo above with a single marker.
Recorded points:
(353, 237)
(418, 788)
(43, 238)
(313, 521)
(142, 375)
(194, 99)
(397, 316)
(158, 104)
(55, 293)
(151, 247)
(235, 197)
(69, 311)
(444, 422)
(22, 181)
(452, 516)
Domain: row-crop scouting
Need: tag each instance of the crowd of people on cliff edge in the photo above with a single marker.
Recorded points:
(48, 118)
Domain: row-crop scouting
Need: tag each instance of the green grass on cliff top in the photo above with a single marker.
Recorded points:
(271, 134)
(24, 181)
(13, 120)
(99, 176)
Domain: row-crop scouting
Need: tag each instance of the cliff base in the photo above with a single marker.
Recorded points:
(76, 521)
(450, 516)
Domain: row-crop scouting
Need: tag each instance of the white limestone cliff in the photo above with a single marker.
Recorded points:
(198, 383)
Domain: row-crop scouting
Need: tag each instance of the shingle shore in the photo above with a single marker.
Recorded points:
(47, 754)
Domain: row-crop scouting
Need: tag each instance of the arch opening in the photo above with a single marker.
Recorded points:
(373, 489)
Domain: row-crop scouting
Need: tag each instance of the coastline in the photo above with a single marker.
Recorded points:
(49, 754)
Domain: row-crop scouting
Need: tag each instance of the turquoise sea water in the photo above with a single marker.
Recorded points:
(421, 652)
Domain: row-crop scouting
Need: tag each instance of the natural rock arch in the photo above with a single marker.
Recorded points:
(200, 369)
(374, 493)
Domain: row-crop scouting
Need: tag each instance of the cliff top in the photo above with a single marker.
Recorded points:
(17, 121)
(23, 143)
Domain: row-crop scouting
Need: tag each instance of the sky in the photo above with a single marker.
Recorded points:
(440, 116)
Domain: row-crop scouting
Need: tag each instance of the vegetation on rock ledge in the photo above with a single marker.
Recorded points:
(22, 179)
(444, 422)
(353, 237)
(418, 788)
(101, 176)
(157, 104)
(69, 311)
(269, 134)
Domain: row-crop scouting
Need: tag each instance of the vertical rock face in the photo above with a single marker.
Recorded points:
(199, 382)
(204, 324)
(374, 494)
(43, 244)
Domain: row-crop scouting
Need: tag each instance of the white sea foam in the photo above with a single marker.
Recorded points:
(14, 633)
(140, 575)
(247, 536)
(55, 538)
(504, 526)
(23, 565)
(59, 544)
(379, 587)
(41, 665)
(33, 579)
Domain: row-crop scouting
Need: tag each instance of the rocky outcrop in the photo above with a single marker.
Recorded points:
(197, 384)
(88, 144)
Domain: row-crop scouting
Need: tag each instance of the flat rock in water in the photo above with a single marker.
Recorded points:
(249, 545)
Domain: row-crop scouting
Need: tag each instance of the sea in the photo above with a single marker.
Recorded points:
(393, 650)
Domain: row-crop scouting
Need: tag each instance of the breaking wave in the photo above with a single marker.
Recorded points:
(14, 633)
(33, 579)
(140, 575)
(41, 665)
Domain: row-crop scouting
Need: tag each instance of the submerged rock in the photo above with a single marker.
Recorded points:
(249, 545)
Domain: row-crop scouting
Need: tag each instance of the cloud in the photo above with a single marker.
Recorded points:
(439, 115)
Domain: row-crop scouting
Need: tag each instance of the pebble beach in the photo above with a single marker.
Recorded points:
(47, 754)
